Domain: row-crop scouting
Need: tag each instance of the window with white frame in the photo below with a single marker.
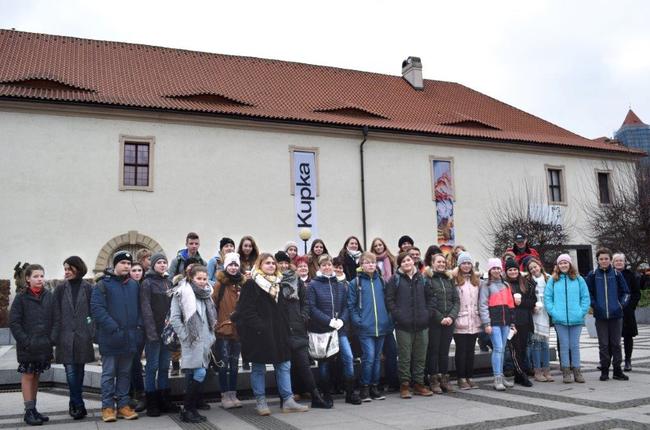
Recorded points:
(555, 184)
(136, 163)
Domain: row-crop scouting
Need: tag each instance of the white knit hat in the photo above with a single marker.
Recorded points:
(231, 257)
(492, 263)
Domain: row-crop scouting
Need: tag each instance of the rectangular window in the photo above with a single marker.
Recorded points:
(136, 156)
(603, 188)
(555, 183)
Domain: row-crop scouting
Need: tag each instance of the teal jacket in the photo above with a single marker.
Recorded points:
(567, 300)
(367, 305)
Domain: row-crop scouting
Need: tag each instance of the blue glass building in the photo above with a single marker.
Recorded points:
(634, 133)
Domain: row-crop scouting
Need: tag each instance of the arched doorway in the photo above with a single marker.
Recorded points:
(131, 241)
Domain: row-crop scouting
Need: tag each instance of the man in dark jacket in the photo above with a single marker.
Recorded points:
(115, 307)
(521, 250)
(410, 301)
(609, 296)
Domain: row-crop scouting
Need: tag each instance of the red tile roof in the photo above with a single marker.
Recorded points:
(632, 119)
(66, 69)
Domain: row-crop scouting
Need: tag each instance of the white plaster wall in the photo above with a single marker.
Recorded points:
(60, 196)
(483, 178)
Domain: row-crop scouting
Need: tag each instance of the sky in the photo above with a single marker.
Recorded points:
(578, 64)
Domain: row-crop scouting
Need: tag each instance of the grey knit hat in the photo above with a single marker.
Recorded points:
(157, 256)
(464, 257)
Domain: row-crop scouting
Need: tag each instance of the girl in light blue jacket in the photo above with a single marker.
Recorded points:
(566, 299)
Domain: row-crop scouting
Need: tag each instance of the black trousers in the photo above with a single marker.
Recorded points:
(520, 345)
(628, 343)
(438, 349)
(609, 342)
(464, 357)
(302, 379)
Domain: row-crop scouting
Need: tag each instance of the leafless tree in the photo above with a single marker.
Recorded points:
(525, 210)
(623, 225)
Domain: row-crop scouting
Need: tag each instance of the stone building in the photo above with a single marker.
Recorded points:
(108, 145)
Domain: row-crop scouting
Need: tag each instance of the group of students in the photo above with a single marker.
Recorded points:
(270, 308)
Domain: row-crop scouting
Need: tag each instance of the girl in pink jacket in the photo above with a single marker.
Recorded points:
(468, 323)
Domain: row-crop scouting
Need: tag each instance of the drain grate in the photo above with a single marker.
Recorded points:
(206, 425)
(250, 416)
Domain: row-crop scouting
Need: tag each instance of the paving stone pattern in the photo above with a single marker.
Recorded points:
(594, 405)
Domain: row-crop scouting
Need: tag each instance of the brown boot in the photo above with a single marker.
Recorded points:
(463, 384)
(421, 390)
(539, 376)
(473, 385)
(405, 390)
(577, 375)
(434, 384)
(445, 385)
(547, 374)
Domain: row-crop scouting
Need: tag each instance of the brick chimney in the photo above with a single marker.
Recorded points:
(412, 72)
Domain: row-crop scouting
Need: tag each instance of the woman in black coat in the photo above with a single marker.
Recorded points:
(350, 254)
(32, 324)
(294, 294)
(264, 333)
(630, 329)
(74, 344)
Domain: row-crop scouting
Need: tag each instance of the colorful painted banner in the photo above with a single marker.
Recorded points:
(444, 197)
(305, 192)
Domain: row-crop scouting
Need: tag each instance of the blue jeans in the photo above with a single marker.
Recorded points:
(345, 354)
(116, 379)
(282, 377)
(74, 373)
(499, 338)
(569, 338)
(371, 347)
(539, 351)
(228, 363)
(158, 357)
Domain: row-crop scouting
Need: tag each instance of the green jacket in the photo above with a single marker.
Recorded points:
(446, 296)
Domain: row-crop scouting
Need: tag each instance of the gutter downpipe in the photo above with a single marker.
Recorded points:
(363, 185)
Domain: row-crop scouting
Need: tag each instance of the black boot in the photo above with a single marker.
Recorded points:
(351, 396)
(140, 403)
(75, 411)
(522, 379)
(604, 373)
(318, 401)
(364, 394)
(327, 394)
(165, 403)
(84, 412)
(201, 403)
(189, 414)
(619, 375)
(31, 418)
(41, 416)
(375, 394)
(153, 405)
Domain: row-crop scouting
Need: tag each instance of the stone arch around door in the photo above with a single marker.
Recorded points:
(131, 241)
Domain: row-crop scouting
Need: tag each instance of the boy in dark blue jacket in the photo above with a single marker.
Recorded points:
(609, 295)
(115, 307)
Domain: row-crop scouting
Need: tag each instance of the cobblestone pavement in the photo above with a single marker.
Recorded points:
(594, 405)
